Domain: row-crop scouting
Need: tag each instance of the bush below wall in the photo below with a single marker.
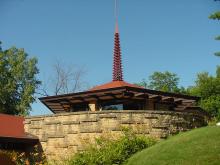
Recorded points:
(21, 158)
(108, 151)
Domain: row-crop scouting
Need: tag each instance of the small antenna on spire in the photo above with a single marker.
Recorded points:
(116, 16)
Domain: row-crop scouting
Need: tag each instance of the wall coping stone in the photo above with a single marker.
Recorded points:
(39, 117)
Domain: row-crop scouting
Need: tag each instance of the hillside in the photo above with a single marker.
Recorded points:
(197, 147)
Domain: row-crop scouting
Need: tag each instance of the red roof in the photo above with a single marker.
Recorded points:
(11, 126)
(114, 84)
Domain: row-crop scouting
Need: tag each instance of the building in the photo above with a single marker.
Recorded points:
(120, 95)
(83, 116)
(13, 135)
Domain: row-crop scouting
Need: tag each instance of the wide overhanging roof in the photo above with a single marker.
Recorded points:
(26, 139)
(12, 130)
(61, 103)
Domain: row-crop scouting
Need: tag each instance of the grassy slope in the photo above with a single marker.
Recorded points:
(197, 147)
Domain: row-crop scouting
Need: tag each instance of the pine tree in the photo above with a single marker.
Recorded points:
(216, 16)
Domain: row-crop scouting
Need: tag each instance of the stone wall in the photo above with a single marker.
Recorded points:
(64, 134)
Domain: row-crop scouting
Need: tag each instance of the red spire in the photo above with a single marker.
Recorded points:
(117, 64)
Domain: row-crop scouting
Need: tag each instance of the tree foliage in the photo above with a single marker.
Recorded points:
(18, 81)
(216, 16)
(208, 88)
(143, 83)
(163, 81)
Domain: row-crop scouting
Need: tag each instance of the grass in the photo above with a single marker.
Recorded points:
(197, 147)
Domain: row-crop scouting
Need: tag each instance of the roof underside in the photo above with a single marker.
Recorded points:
(116, 90)
(12, 130)
(26, 139)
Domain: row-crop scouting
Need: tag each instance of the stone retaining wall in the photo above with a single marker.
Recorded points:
(64, 134)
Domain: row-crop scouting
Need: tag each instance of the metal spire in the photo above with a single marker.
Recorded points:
(117, 63)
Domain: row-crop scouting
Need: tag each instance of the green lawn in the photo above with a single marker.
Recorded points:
(197, 147)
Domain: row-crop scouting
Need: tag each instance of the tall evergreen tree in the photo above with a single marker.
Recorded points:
(216, 16)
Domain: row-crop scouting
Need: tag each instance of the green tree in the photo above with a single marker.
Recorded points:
(208, 88)
(143, 83)
(216, 16)
(18, 81)
(164, 81)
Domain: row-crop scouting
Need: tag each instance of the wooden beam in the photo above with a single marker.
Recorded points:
(55, 106)
(58, 109)
(97, 97)
(49, 103)
(91, 99)
(76, 101)
(103, 93)
(78, 98)
(66, 106)
(128, 94)
(155, 97)
(113, 95)
(107, 97)
(168, 99)
(188, 101)
(178, 101)
(64, 102)
(143, 95)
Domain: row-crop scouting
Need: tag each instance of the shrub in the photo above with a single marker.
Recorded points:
(14, 157)
(5, 158)
(22, 158)
(107, 151)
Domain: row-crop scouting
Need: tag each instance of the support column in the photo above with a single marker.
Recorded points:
(93, 106)
(152, 104)
(149, 104)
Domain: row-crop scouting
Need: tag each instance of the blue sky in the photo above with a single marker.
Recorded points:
(173, 35)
